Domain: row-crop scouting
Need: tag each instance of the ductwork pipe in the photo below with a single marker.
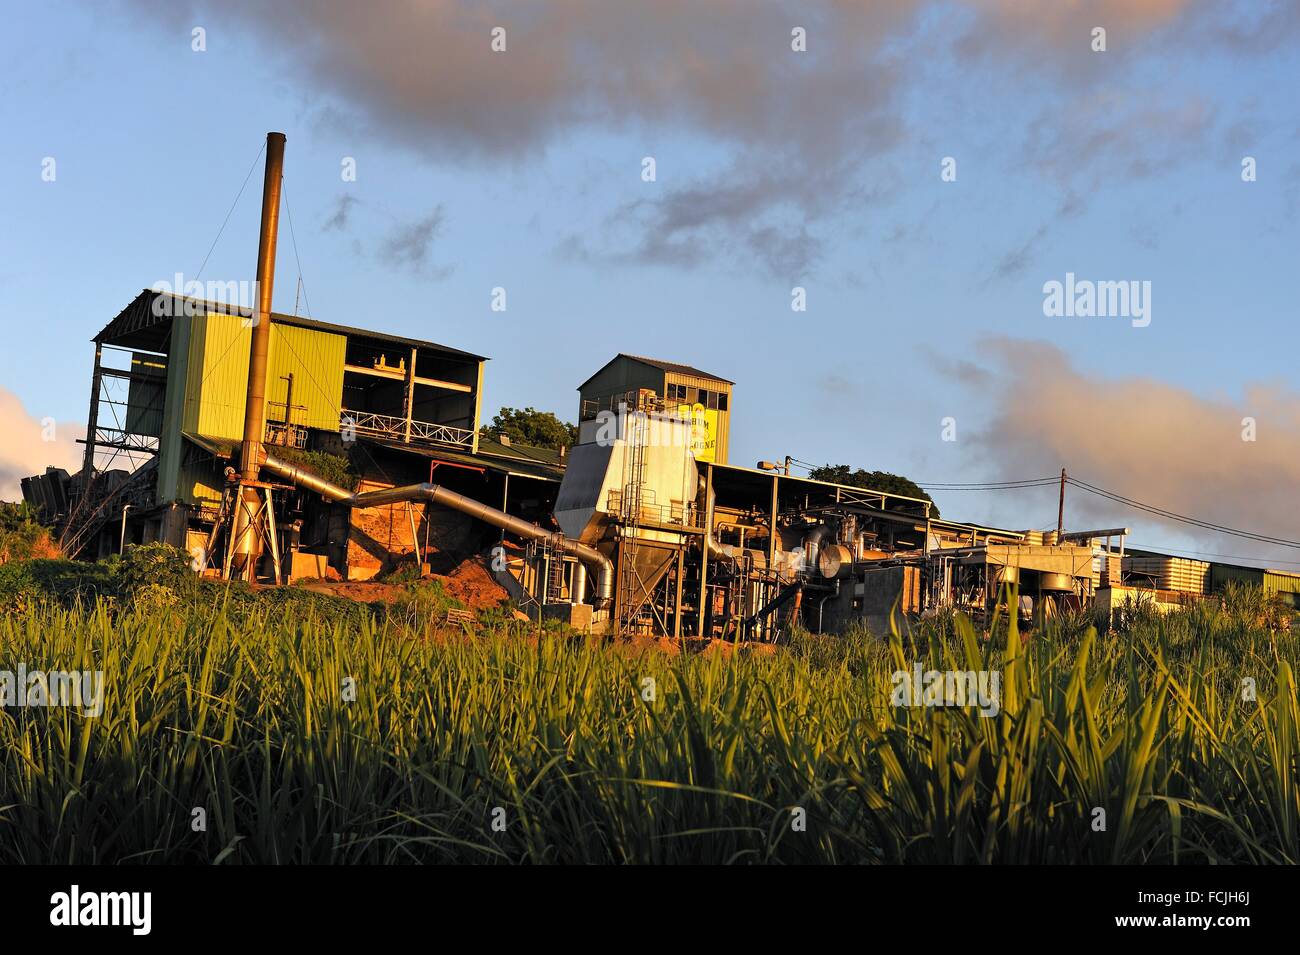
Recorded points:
(589, 557)
(786, 561)
(812, 544)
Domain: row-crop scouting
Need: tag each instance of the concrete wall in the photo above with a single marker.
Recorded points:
(869, 600)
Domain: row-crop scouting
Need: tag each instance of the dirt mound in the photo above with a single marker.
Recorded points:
(470, 583)
(473, 585)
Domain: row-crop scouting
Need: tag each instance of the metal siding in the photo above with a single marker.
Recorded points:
(218, 377)
(1220, 574)
(170, 443)
(198, 482)
(623, 375)
(218, 382)
(145, 400)
(1276, 582)
(316, 361)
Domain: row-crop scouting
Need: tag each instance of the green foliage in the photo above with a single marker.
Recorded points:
(22, 537)
(539, 429)
(420, 605)
(1251, 605)
(311, 736)
(873, 480)
(54, 580)
(16, 516)
(157, 565)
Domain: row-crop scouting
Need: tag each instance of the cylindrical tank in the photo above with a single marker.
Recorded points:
(834, 560)
(1005, 574)
(1059, 583)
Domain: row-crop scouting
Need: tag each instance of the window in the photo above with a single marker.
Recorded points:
(676, 392)
(722, 401)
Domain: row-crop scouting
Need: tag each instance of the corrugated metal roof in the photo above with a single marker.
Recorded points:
(521, 452)
(514, 466)
(672, 367)
(677, 368)
(140, 314)
(517, 467)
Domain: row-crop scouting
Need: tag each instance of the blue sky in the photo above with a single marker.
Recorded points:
(820, 169)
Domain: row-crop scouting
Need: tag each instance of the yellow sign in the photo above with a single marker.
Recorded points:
(704, 429)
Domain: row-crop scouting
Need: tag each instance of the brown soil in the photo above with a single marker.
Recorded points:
(473, 585)
(470, 582)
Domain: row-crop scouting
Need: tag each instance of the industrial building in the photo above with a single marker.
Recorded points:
(275, 447)
(691, 393)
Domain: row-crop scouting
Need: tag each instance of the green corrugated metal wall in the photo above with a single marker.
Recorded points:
(1287, 586)
(316, 361)
(218, 382)
(1220, 574)
(208, 381)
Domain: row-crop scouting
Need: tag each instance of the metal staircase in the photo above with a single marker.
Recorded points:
(631, 596)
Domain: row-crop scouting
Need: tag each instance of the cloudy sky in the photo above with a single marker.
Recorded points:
(775, 168)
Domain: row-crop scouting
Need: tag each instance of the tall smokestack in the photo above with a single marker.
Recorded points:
(248, 523)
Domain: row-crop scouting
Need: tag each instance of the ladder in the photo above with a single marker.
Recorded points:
(635, 430)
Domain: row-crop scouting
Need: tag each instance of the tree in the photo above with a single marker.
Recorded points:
(874, 480)
(540, 429)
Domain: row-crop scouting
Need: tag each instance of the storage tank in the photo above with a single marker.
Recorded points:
(834, 560)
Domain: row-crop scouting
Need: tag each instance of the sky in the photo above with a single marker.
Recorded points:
(921, 171)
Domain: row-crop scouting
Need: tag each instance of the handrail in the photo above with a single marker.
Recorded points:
(390, 426)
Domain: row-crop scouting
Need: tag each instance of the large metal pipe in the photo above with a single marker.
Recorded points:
(591, 558)
(248, 520)
(812, 544)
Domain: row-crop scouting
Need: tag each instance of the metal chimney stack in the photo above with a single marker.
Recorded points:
(249, 520)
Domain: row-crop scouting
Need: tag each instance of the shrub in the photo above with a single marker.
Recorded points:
(161, 564)
(22, 537)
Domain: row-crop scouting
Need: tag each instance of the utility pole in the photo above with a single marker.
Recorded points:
(788, 461)
(1060, 510)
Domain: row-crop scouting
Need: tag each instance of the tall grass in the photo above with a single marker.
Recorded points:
(797, 756)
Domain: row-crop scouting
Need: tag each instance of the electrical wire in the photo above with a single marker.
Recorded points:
(1118, 498)
(229, 212)
(1182, 518)
(982, 486)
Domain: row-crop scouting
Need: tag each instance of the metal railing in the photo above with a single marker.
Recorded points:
(684, 514)
(286, 435)
(394, 428)
(644, 400)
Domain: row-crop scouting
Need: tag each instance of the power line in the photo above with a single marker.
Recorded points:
(294, 239)
(1117, 498)
(1182, 518)
(238, 195)
(990, 485)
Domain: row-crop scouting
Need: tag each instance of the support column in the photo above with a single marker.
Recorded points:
(771, 537)
(677, 604)
(704, 546)
(410, 395)
(96, 377)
